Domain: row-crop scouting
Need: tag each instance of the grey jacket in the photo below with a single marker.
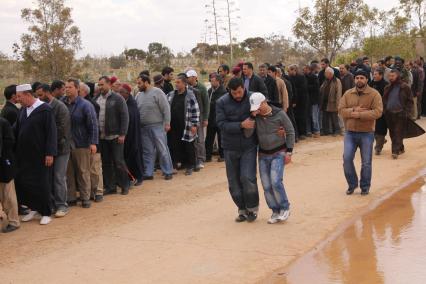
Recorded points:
(153, 107)
(267, 132)
(116, 115)
(63, 126)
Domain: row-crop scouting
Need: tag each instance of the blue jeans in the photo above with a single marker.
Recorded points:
(242, 182)
(363, 140)
(154, 141)
(316, 119)
(271, 169)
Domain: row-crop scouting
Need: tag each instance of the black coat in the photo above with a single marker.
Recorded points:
(10, 112)
(272, 87)
(381, 125)
(168, 87)
(7, 158)
(313, 88)
(257, 85)
(300, 90)
(133, 141)
(35, 139)
(213, 97)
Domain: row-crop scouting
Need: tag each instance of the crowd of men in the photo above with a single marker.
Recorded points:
(73, 142)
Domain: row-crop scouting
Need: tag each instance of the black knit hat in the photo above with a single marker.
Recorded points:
(361, 72)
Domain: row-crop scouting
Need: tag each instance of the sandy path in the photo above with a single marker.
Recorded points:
(183, 231)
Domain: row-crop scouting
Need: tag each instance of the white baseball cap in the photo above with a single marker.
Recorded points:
(23, 88)
(255, 100)
(191, 73)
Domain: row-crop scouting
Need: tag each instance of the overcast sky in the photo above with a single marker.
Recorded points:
(108, 26)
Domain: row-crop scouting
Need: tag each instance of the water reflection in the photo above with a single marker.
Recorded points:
(384, 246)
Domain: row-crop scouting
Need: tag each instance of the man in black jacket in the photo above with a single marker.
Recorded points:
(10, 112)
(313, 125)
(270, 83)
(167, 73)
(324, 64)
(232, 117)
(113, 126)
(8, 202)
(252, 82)
(301, 102)
(381, 129)
(216, 91)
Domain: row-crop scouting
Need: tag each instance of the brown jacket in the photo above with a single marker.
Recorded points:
(334, 95)
(405, 96)
(282, 91)
(369, 99)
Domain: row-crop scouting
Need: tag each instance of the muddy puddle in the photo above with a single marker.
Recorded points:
(385, 245)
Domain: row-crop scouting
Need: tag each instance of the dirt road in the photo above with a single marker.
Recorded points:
(183, 231)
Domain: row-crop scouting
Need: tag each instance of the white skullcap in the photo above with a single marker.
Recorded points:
(23, 88)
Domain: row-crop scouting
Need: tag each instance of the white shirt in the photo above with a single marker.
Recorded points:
(35, 105)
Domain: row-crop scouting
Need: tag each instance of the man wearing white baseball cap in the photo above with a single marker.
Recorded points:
(36, 145)
(276, 137)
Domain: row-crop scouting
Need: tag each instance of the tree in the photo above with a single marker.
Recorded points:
(158, 56)
(330, 25)
(117, 62)
(49, 47)
(416, 11)
(254, 46)
(134, 54)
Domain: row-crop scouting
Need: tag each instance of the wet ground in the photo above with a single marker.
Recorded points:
(385, 245)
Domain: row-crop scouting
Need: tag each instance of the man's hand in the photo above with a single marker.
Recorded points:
(48, 161)
(287, 159)
(360, 109)
(167, 127)
(121, 139)
(93, 149)
(255, 113)
(205, 123)
(355, 114)
(281, 132)
(247, 124)
(194, 130)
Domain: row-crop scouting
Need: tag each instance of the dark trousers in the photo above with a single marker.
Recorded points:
(182, 151)
(211, 134)
(396, 123)
(419, 105)
(301, 115)
(242, 182)
(113, 165)
(290, 113)
(330, 123)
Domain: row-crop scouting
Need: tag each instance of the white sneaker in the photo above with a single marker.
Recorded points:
(284, 214)
(201, 165)
(274, 218)
(45, 220)
(30, 216)
(61, 213)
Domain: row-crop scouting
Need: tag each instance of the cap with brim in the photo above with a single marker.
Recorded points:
(23, 88)
(191, 73)
(256, 100)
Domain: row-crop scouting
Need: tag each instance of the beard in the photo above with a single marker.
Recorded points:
(360, 85)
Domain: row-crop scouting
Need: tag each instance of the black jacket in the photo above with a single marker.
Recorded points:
(289, 87)
(313, 88)
(257, 85)
(229, 115)
(116, 115)
(7, 158)
(300, 89)
(379, 86)
(213, 97)
(63, 125)
(271, 86)
(10, 112)
(168, 87)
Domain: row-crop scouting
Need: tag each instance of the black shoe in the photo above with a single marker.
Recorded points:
(23, 210)
(86, 204)
(72, 203)
(108, 192)
(197, 169)
(220, 159)
(365, 191)
(188, 172)
(241, 218)
(350, 191)
(168, 177)
(138, 182)
(125, 191)
(99, 198)
(9, 228)
(148, 178)
(251, 217)
(208, 160)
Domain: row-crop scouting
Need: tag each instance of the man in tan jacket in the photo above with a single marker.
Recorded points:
(359, 107)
